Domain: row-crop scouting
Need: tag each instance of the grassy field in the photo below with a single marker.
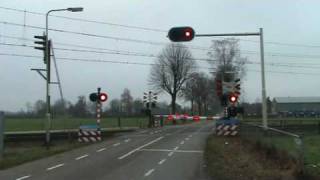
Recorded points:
(32, 124)
(231, 158)
(19, 153)
(310, 147)
(282, 121)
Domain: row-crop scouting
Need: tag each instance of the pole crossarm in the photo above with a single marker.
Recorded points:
(39, 71)
(229, 34)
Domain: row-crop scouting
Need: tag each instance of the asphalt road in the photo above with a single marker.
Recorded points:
(168, 153)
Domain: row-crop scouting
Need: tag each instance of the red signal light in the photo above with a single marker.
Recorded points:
(233, 98)
(179, 34)
(103, 97)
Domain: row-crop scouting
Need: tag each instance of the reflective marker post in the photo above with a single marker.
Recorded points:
(1, 134)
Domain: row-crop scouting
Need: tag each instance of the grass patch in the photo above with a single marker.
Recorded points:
(22, 152)
(17, 153)
(33, 124)
(232, 158)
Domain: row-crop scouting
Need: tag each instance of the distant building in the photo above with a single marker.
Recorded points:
(294, 105)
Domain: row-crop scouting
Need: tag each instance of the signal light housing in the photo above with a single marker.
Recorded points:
(179, 34)
(102, 97)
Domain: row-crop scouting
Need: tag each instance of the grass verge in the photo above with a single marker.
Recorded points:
(233, 158)
(17, 153)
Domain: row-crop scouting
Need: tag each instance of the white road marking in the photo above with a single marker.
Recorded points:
(149, 172)
(54, 167)
(127, 140)
(116, 144)
(81, 157)
(138, 148)
(162, 161)
(182, 142)
(102, 149)
(169, 150)
(190, 135)
(187, 139)
(23, 177)
(176, 148)
(171, 153)
(143, 131)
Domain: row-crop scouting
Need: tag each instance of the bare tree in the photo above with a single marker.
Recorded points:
(197, 90)
(127, 101)
(226, 58)
(171, 71)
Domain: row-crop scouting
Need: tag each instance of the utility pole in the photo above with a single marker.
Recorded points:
(263, 81)
(47, 60)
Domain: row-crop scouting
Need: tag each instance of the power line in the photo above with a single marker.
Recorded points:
(128, 53)
(139, 63)
(87, 20)
(246, 51)
(148, 29)
(92, 60)
(160, 43)
(98, 36)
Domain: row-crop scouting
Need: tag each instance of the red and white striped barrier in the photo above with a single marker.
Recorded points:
(89, 135)
(227, 130)
(195, 118)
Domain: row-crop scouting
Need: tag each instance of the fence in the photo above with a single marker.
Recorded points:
(282, 142)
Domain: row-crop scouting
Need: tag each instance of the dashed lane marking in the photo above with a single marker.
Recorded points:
(138, 148)
(54, 167)
(169, 150)
(116, 144)
(187, 139)
(127, 140)
(171, 153)
(149, 172)
(176, 148)
(23, 177)
(182, 142)
(162, 161)
(81, 157)
(100, 150)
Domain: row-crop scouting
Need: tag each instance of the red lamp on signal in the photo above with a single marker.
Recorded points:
(233, 98)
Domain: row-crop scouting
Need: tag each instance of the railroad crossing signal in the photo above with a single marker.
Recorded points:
(101, 97)
(43, 42)
(150, 98)
(178, 34)
(236, 87)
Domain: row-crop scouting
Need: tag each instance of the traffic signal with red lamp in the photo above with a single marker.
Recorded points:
(179, 34)
(101, 97)
(233, 98)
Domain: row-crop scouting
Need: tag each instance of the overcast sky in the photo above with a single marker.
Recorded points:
(292, 22)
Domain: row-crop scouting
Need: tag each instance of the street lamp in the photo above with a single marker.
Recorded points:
(47, 60)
